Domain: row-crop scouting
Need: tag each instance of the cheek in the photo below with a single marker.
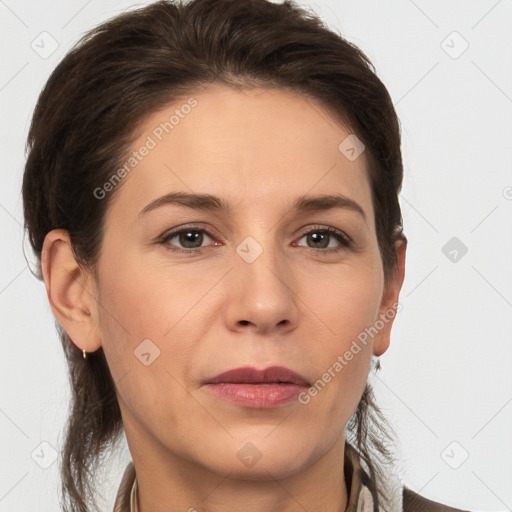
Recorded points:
(136, 310)
(347, 305)
(147, 300)
(154, 313)
(341, 364)
(347, 301)
(141, 323)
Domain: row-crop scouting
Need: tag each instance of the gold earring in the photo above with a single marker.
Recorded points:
(84, 354)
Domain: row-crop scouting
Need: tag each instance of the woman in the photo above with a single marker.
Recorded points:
(212, 192)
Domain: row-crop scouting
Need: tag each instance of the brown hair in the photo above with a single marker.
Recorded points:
(125, 69)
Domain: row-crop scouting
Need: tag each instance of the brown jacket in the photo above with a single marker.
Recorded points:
(360, 498)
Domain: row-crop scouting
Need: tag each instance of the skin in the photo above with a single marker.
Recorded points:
(210, 311)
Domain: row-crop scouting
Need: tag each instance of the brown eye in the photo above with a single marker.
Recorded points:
(326, 239)
(190, 239)
(186, 240)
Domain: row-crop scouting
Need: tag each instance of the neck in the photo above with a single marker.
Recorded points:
(171, 484)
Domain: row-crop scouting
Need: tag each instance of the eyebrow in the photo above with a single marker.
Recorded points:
(208, 202)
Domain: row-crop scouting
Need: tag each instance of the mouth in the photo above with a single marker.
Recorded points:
(257, 389)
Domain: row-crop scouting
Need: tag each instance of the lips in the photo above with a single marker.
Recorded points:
(257, 389)
(250, 375)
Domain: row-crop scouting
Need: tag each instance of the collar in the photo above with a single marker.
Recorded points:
(360, 493)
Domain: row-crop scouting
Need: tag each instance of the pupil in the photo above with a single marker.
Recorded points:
(322, 238)
(191, 237)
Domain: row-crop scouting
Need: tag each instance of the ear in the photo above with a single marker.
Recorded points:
(71, 291)
(389, 303)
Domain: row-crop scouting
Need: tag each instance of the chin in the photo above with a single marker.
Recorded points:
(264, 470)
(261, 457)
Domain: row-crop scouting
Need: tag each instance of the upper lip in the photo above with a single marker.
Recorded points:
(250, 375)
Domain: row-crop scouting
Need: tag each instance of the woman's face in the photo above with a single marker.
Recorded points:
(255, 283)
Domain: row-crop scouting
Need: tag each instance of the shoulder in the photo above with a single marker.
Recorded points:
(413, 502)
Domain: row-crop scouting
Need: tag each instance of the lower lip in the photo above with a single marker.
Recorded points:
(256, 396)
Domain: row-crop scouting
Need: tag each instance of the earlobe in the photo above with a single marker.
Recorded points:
(70, 291)
(390, 301)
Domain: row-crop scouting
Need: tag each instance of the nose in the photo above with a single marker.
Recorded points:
(260, 291)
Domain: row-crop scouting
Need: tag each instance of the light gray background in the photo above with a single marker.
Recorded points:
(446, 382)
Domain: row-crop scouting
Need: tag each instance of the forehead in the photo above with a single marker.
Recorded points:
(256, 146)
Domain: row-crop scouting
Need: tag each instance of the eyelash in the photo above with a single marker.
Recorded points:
(344, 240)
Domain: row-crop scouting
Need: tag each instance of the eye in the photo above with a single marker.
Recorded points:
(324, 239)
(187, 239)
(191, 240)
